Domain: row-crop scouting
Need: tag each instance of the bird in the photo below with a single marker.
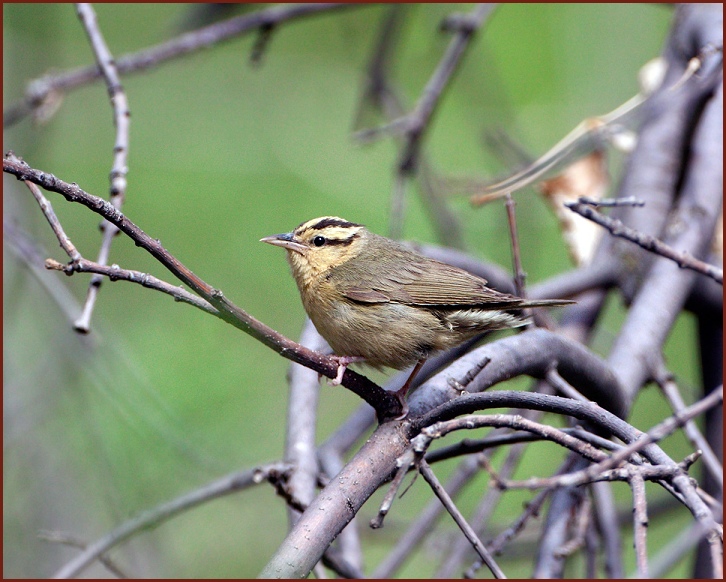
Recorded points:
(379, 302)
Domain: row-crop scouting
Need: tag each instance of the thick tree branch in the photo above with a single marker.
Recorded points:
(533, 353)
(692, 223)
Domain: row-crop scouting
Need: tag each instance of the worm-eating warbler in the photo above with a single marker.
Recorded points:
(377, 301)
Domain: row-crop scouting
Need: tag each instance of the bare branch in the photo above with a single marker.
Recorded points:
(519, 274)
(119, 169)
(693, 222)
(610, 202)
(40, 89)
(640, 521)
(58, 537)
(152, 518)
(415, 124)
(441, 429)
(116, 273)
(55, 224)
(657, 433)
(336, 505)
(403, 463)
(467, 530)
(670, 390)
(650, 243)
(385, 403)
(301, 424)
(425, 523)
(532, 352)
(119, 102)
(380, 93)
(582, 523)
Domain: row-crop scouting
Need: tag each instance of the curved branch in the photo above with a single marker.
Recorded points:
(532, 353)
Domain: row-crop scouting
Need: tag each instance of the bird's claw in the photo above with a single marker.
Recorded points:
(343, 363)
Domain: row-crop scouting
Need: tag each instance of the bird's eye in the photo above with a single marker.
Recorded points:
(319, 241)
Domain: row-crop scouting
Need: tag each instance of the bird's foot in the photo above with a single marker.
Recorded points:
(404, 405)
(343, 363)
(403, 390)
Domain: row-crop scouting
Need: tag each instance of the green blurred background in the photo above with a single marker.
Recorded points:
(162, 398)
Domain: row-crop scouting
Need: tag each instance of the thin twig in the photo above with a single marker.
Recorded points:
(680, 484)
(494, 440)
(466, 471)
(670, 391)
(58, 537)
(440, 429)
(461, 385)
(531, 510)
(404, 462)
(47, 209)
(610, 202)
(119, 102)
(119, 169)
(154, 517)
(583, 477)
(116, 273)
(663, 429)
(582, 522)
(424, 524)
(415, 124)
(39, 90)
(563, 386)
(467, 530)
(519, 274)
(649, 243)
(604, 469)
(458, 549)
(381, 94)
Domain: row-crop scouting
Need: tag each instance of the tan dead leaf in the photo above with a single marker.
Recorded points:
(587, 176)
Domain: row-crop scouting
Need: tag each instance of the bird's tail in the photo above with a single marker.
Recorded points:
(544, 303)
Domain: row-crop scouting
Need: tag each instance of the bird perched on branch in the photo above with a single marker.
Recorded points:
(376, 301)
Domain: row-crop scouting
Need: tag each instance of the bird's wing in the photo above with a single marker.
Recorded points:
(425, 282)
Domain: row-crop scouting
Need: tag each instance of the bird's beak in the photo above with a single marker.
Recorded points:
(285, 241)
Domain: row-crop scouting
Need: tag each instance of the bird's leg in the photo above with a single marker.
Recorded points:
(343, 363)
(403, 390)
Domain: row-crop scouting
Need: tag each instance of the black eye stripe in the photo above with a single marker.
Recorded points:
(339, 241)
